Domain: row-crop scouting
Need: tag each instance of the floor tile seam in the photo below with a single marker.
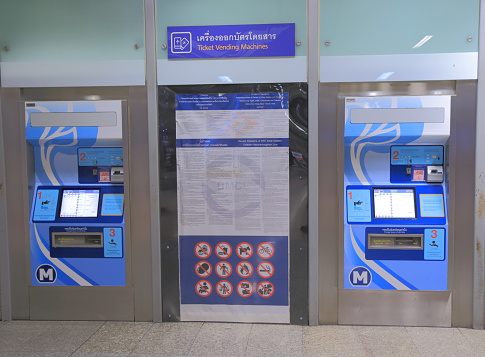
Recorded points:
(406, 328)
(195, 338)
(247, 340)
(87, 339)
(468, 341)
(141, 339)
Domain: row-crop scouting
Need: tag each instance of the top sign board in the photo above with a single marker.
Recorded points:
(231, 41)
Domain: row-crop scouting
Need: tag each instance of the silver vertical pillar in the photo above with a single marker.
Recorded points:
(313, 57)
(479, 252)
(5, 304)
(152, 103)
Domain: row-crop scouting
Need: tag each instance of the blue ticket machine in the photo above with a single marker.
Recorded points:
(395, 186)
(77, 218)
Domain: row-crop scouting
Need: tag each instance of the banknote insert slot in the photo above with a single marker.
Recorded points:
(77, 240)
(395, 241)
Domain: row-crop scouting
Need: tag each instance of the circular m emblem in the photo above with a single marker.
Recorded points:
(360, 276)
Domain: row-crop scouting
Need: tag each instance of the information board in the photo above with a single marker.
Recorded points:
(233, 202)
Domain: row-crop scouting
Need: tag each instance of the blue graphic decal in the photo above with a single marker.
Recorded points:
(48, 142)
(389, 156)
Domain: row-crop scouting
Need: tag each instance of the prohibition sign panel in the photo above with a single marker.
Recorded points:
(223, 250)
(188, 278)
(266, 250)
(203, 288)
(244, 269)
(203, 250)
(223, 269)
(265, 270)
(244, 250)
(245, 289)
(224, 288)
(203, 269)
(265, 289)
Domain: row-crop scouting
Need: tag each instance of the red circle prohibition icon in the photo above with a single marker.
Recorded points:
(203, 269)
(203, 288)
(244, 269)
(224, 288)
(245, 289)
(223, 250)
(266, 250)
(223, 269)
(203, 250)
(265, 270)
(265, 289)
(244, 250)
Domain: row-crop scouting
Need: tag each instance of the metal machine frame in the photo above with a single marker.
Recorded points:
(132, 302)
(413, 308)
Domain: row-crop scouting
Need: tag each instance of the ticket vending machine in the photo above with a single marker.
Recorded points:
(395, 211)
(77, 230)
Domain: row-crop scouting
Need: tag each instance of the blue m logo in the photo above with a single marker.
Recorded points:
(46, 274)
(360, 276)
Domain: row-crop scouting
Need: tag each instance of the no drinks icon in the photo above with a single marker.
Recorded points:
(223, 250)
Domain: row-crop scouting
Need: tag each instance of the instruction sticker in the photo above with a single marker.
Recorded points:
(45, 205)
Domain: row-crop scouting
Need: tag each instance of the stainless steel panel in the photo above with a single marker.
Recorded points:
(390, 307)
(461, 202)
(479, 261)
(329, 204)
(152, 116)
(5, 302)
(17, 200)
(140, 196)
(313, 11)
(81, 303)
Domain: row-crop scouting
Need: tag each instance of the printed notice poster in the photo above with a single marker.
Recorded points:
(233, 206)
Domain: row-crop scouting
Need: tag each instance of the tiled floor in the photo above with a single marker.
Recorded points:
(73, 338)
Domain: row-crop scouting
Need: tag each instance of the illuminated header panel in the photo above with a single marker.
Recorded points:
(78, 204)
(395, 205)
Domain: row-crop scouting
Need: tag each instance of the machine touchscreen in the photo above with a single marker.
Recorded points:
(394, 203)
(79, 203)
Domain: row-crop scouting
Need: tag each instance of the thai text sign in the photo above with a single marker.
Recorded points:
(271, 40)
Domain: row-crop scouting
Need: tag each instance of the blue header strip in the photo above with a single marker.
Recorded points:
(197, 143)
(226, 41)
(232, 101)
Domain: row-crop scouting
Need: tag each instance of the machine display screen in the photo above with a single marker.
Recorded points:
(394, 203)
(79, 203)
